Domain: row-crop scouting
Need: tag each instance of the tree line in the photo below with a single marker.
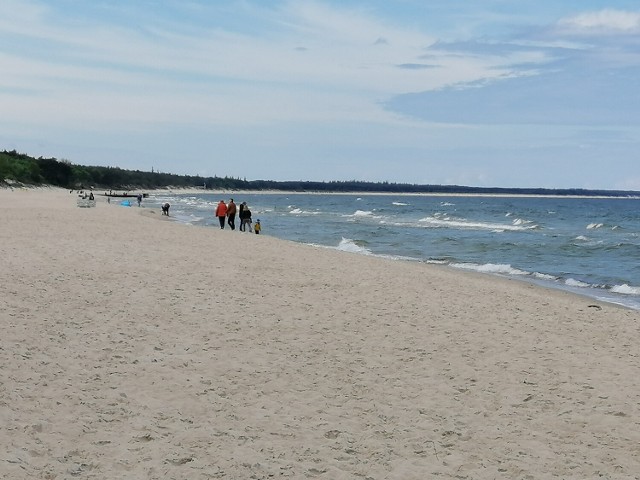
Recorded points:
(21, 168)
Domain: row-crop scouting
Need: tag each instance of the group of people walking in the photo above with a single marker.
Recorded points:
(226, 213)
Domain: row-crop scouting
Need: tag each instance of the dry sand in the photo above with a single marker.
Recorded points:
(134, 347)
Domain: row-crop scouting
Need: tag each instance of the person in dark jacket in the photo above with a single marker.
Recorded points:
(231, 214)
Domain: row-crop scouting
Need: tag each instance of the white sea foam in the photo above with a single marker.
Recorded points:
(572, 282)
(348, 245)
(436, 262)
(438, 221)
(399, 204)
(543, 276)
(298, 211)
(363, 213)
(520, 221)
(495, 268)
(582, 238)
(625, 289)
(593, 226)
(588, 242)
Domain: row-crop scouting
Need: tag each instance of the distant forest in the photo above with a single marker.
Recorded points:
(22, 169)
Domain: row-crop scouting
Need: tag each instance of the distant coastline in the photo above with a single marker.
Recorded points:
(515, 194)
(17, 169)
(225, 192)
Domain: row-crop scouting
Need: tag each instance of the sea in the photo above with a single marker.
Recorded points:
(589, 246)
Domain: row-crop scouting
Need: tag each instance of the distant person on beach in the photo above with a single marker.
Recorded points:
(221, 213)
(165, 208)
(91, 197)
(244, 210)
(245, 220)
(257, 227)
(231, 214)
(139, 199)
(241, 215)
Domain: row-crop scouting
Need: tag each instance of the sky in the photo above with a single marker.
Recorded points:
(491, 93)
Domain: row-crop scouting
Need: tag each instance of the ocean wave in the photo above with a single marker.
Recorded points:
(399, 204)
(520, 221)
(197, 202)
(572, 282)
(361, 214)
(544, 276)
(503, 269)
(438, 221)
(298, 211)
(613, 292)
(358, 247)
(596, 226)
(494, 268)
(349, 245)
(629, 249)
(625, 289)
(186, 219)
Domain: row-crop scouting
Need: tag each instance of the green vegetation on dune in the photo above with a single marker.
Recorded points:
(20, 168)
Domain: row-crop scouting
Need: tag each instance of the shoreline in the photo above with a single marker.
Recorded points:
(596, 296)
(594, 293)
(139, 347)
(193, 191)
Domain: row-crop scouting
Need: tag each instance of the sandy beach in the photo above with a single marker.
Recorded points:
(134, 347)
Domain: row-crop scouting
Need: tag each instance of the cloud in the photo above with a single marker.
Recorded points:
(606, 21)
(416, 66)
(308, 61)
(541, 76)
(311, 80)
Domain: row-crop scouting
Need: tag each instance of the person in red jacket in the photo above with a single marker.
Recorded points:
(221, 213)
